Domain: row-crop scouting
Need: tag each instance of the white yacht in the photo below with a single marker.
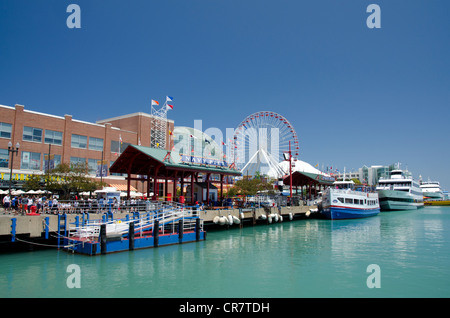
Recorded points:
(432, 190)
(399, 192)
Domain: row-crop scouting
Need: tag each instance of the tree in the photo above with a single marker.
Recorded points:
(68, 178)
(250, 186)
(33, 182)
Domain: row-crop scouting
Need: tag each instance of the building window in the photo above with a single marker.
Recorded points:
(54, 162)
(53, 137)
(4, 158)
(92, 165)
(5, 130)
(114, 173)
(32, 134)
(77, 161)
(117, 147)
(95, 143)
(30, 160)
(79, 141)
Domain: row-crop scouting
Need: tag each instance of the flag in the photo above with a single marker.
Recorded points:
(169, 107)
(120, 139)
(206, 140)
(192, 136)
(169, 99)
(139, 141)
(155, 103)
(223, 144)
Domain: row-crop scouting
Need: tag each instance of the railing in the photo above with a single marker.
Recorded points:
(165, 213)
(349, 191)
(90, 206)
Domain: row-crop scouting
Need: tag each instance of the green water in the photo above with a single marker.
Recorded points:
(304, 258)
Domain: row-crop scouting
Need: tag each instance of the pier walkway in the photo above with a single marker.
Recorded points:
(34, 226)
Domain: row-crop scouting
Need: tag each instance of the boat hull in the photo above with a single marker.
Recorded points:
(340, 213)
(392, 200)
(338, 204)
(433, 195)
(438, 203)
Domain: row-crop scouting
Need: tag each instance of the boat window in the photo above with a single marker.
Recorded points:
(347, 200)
(341, 200)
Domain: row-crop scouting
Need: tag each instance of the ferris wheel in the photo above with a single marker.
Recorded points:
(260, 141)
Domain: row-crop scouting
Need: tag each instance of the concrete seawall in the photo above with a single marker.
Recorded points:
(34, 226)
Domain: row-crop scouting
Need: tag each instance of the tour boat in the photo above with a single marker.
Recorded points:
(343, 201)
(431, 190)
(399, 192)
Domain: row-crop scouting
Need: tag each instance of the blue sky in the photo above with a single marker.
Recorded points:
(354, 95)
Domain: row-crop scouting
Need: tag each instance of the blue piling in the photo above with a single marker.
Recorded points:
(13, 229)
(46, 226)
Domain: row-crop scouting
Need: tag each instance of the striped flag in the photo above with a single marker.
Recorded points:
(169, 99)
(155, 103)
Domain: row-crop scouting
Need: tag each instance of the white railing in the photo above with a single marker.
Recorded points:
(163, 212)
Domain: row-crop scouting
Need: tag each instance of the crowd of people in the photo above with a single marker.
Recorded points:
(27, 204)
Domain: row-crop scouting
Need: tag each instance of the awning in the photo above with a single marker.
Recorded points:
(122, 187)
(305, 178)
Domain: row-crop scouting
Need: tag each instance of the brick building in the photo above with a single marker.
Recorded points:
(68, 140)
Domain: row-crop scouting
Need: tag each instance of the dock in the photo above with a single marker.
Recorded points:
(69, 231)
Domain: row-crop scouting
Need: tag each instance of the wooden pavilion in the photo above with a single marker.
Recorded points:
(313, 182)
(153, 164)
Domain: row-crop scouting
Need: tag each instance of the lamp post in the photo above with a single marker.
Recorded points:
(12, 150)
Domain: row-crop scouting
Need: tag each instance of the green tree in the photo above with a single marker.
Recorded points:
(248, 186)
(69, 178)
(34, 182)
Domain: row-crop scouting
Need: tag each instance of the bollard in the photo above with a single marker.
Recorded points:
(131, 236)
(156, 233)
(103, 239)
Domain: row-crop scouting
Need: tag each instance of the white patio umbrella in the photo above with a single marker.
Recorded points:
(17, 192)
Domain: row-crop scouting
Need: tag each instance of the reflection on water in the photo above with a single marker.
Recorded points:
(307, 258)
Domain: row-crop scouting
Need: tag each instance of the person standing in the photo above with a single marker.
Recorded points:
(6, 202)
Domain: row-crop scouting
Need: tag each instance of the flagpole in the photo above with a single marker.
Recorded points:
(290, 170)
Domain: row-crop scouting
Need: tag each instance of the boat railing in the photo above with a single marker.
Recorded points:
(350, 191)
